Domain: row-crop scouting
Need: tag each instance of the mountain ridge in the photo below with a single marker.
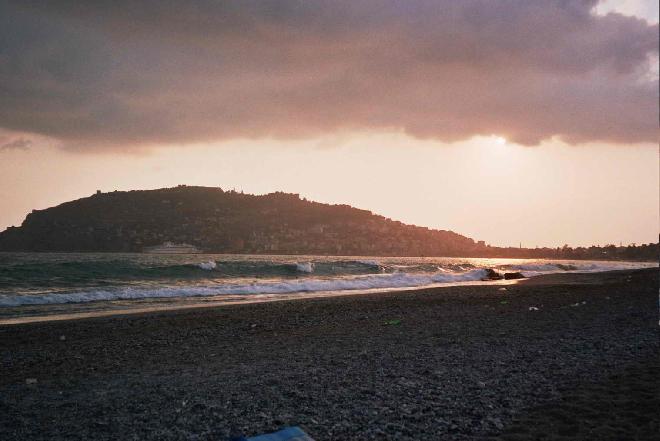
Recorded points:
(231, 222)
(221, 221)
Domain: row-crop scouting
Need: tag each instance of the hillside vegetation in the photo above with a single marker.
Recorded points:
(224, 222)
(218, 221)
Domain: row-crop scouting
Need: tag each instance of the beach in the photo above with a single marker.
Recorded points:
(560, 356)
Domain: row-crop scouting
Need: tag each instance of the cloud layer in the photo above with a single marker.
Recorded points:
(14, 144)
(126, 73)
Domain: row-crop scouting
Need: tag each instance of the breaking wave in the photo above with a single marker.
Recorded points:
(305, 267)
(544, 267)
(535, 269)
(81, 273)
(380, 281)
(210, 265)
(51, 279)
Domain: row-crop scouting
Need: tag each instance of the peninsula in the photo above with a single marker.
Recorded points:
(217, 221)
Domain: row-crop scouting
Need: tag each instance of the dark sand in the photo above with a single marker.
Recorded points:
(467, 362)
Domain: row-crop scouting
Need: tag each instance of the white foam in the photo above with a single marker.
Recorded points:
(535, 269)
(382, 281)
(305, 267)
(399, 279)
(210, 265)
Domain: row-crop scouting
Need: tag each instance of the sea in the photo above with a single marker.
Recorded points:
(37, 285)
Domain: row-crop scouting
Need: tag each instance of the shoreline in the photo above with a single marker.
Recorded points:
(230, 300)
(465, 363)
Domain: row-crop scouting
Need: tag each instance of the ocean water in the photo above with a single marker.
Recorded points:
(45, 283)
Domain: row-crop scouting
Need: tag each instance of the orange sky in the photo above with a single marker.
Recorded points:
(502, 193)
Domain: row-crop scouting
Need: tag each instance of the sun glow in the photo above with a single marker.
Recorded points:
(500, 140)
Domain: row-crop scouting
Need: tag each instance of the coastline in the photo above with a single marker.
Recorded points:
(13, 315)
(463, 362)
(229, 300)
(63, 287)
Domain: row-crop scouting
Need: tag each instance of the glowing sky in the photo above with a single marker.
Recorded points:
(532, 122)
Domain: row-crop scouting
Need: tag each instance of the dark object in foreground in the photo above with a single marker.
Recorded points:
(288, 434)
(513, 276)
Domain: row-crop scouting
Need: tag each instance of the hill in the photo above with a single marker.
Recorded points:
(224, 222)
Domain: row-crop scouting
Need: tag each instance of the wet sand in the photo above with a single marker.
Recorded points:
(468, 362)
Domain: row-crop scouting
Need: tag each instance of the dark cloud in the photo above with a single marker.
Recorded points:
(131, 73)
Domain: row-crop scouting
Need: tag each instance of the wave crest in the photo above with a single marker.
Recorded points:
(210, 265)
(376, 281)
(305, 267)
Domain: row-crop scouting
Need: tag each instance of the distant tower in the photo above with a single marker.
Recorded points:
(520, 245)
(98, 191)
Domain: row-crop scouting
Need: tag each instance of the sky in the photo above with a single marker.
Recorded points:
(509, 121)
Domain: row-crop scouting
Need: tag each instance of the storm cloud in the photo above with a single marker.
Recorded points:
(128, 74)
